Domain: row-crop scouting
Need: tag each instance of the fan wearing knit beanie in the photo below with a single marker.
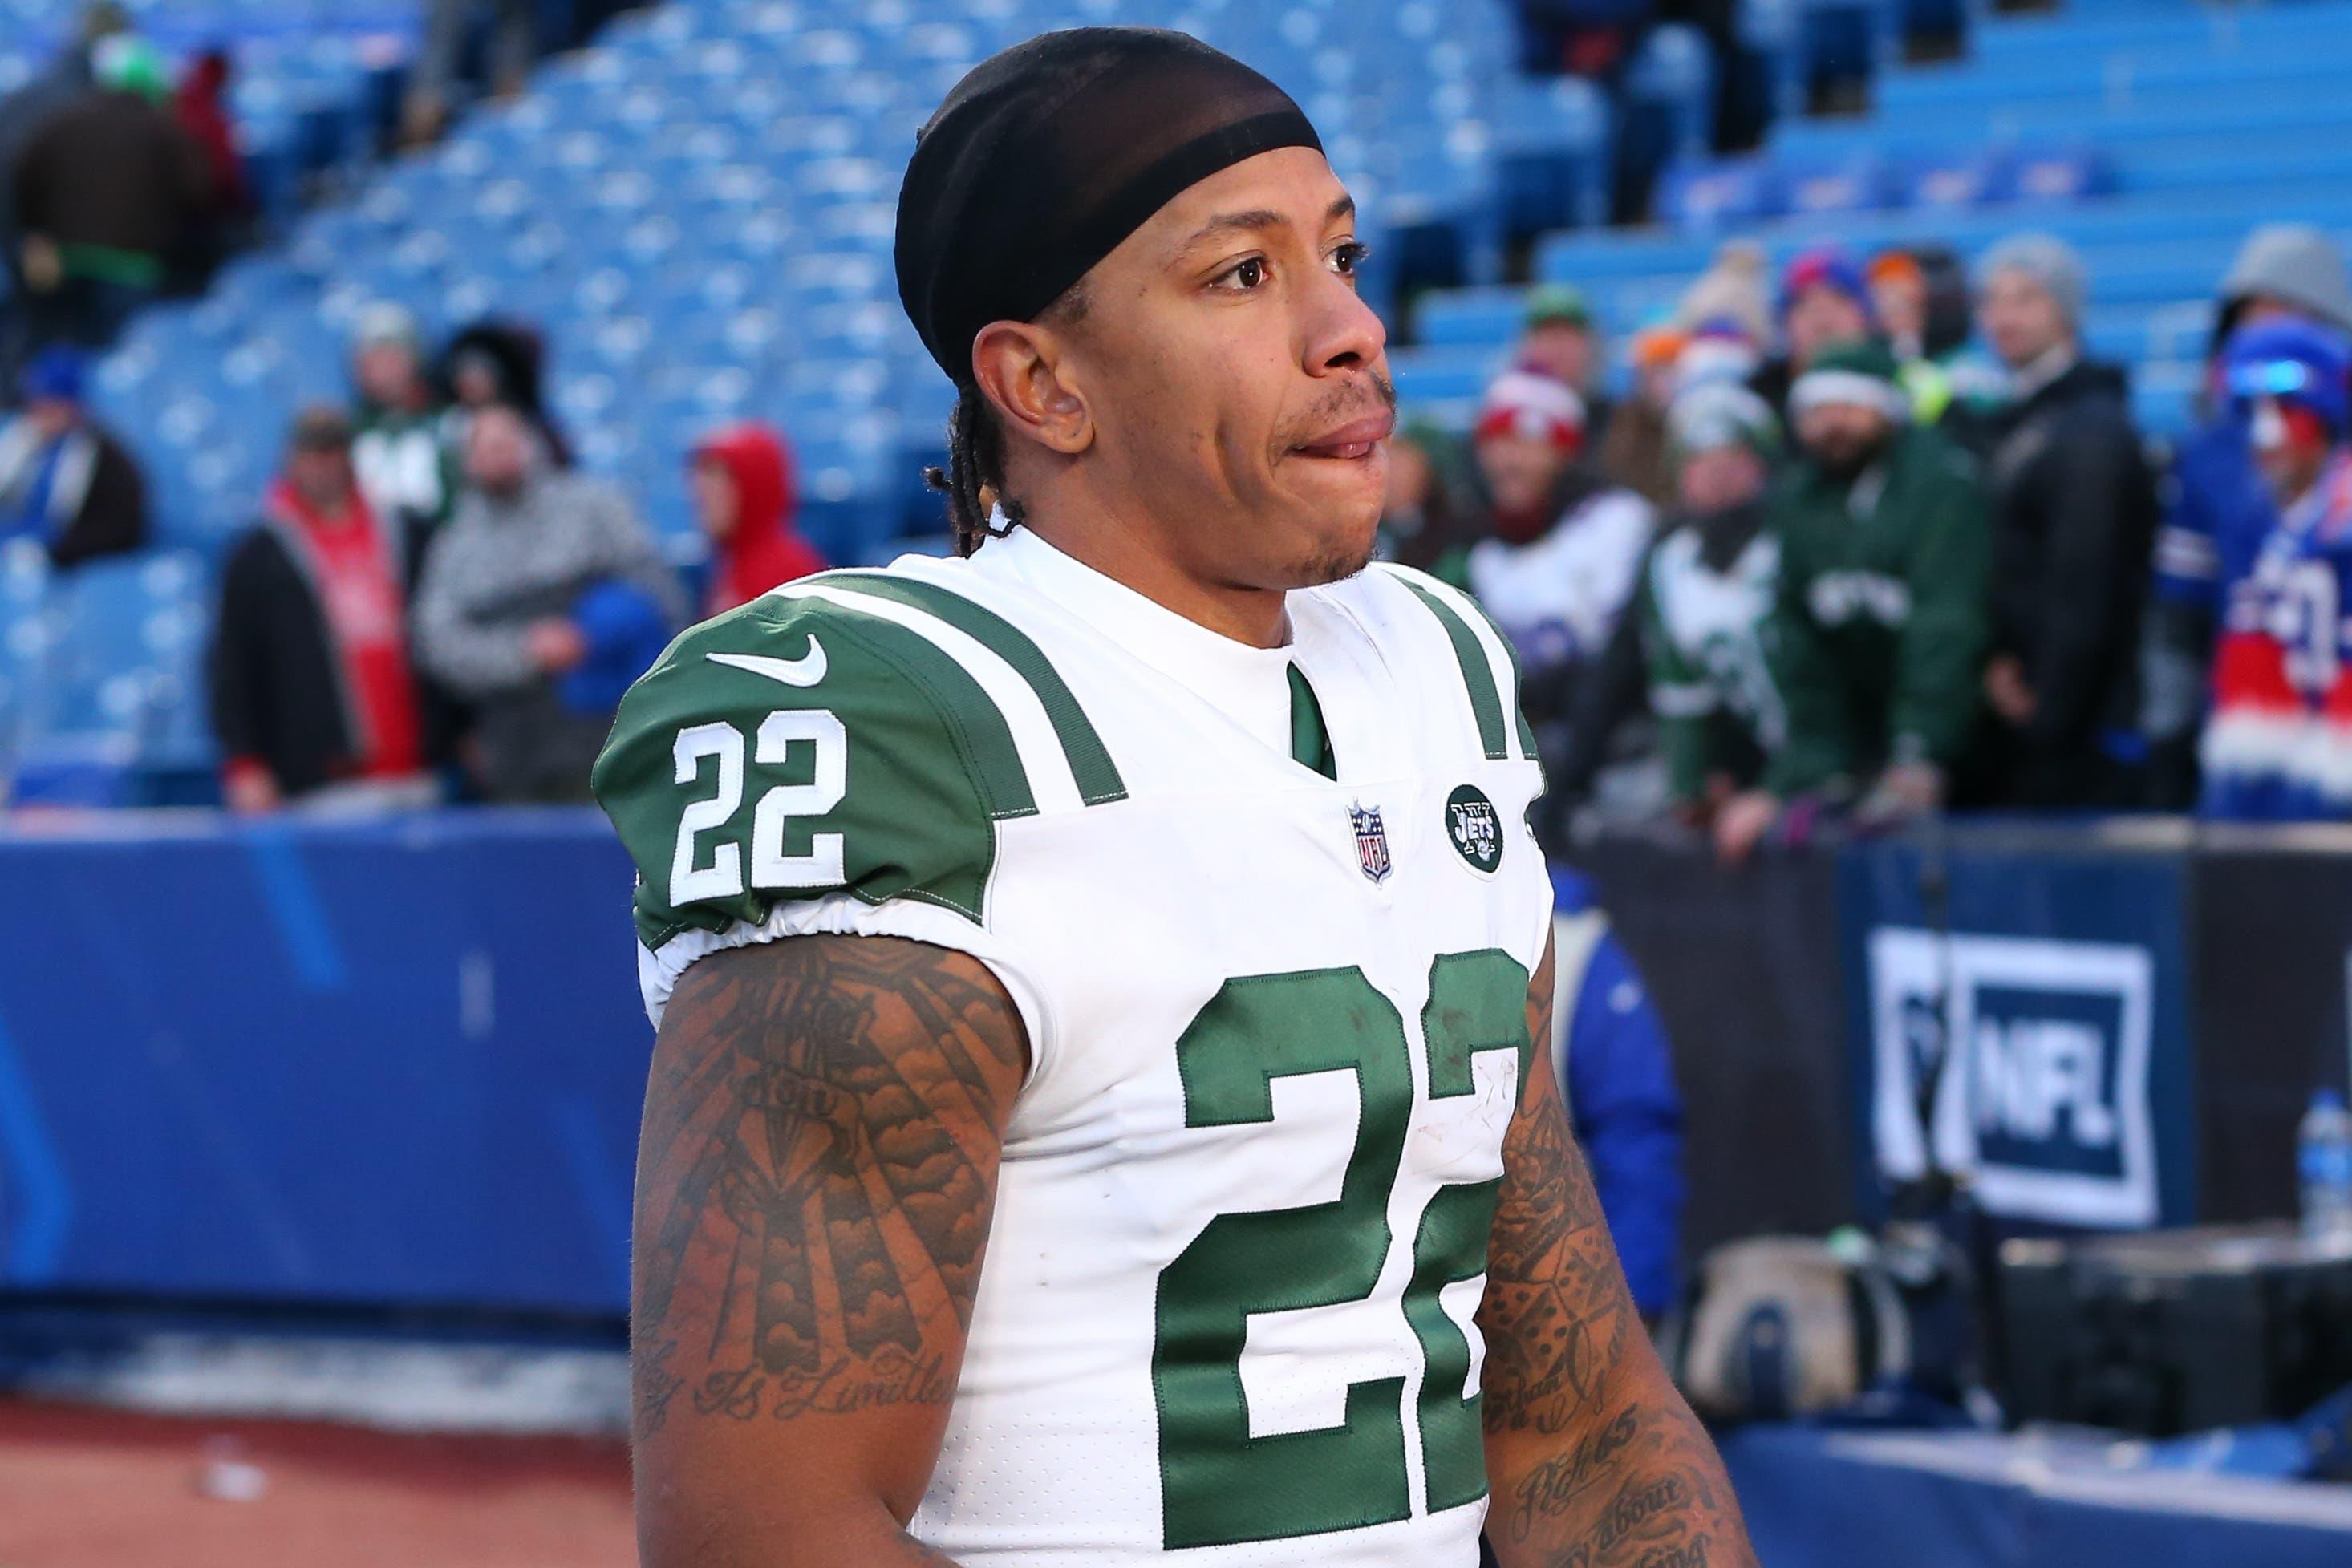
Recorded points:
(1877, 626)
(2217, 512)
(2278, 743)
(2073, 519)
(1822, 298)
(1562, 551)
(1705, 595)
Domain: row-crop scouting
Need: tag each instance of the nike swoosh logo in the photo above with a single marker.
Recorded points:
(806, 671)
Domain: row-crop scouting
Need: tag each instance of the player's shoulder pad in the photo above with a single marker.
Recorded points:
(1489, 665)
(857, 732)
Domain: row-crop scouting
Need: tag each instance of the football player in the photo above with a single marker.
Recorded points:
(1095, 1118)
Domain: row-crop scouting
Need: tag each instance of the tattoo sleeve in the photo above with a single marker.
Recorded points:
(1593, 1457)
(817, 1173)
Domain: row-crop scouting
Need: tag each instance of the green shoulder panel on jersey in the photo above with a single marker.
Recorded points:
(1477, 672)
(1098, 779)
(1518, 682)
(795, 747)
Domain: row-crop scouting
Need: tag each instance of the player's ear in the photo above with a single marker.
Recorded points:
(1024, 373)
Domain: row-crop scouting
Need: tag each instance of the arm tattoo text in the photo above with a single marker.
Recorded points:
(1604, 1466)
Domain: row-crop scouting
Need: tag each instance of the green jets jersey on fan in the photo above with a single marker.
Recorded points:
(1277, 1020)
(1703, 624)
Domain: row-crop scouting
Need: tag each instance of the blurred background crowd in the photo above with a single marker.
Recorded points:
(1877, 536)
(1845, 527)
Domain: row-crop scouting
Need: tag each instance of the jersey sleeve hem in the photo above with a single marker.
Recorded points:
(844, 914)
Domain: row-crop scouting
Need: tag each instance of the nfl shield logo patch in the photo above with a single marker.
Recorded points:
(1372, 842)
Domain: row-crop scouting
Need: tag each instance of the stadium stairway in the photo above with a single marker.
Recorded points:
(2167, 131)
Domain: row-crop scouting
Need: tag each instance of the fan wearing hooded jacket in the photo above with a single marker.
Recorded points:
(745, 500)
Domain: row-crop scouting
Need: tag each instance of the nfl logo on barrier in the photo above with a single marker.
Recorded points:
(1372, 842)
(2034, 1076)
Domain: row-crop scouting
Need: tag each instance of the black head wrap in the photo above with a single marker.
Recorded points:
(1044, 157)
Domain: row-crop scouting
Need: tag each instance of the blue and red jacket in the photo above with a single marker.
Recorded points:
(2217, 515)
(2278, 744)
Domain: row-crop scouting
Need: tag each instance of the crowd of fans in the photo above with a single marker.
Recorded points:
(1830, 561)
(434, 605)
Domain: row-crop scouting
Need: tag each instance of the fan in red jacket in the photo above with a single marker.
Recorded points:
(744, 496)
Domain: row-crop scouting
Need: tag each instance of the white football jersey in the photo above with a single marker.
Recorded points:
(1277, 1020)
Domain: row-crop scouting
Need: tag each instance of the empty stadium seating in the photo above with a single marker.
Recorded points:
(2151, 137)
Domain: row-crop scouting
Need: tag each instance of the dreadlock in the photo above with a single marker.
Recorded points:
(973, 480)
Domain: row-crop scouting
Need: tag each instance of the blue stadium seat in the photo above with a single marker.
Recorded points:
(1854, 181)
(1707, 194)
(1453, 373)
(112, 693)
(1765, 65)
(1674, 75)
(1959, 177)
(1842, 39)
(1554, 155)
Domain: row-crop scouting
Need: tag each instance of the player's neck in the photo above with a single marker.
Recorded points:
(1130, 549)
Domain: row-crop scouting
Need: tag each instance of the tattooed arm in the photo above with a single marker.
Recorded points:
(1594, 1459)
(818, 1166)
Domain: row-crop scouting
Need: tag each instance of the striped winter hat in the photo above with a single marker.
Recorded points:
(1859, 371)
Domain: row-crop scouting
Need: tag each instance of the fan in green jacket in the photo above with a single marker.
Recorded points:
(1705, 592)
(1879, 621)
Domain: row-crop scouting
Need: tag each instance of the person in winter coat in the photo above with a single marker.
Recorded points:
(1561, 548)
(2217, 510)
(495, 362)
(404, 464)
(743, 498)
(314, 699)
(22, 113)
(69, 76)
(1877, 632)
(2074, 518)
(1608, 723)
(201, 105)
(540, 589)
(1617, 1075)
(64, 479)
(105, 192)
(2278, 746)
(1706, 593)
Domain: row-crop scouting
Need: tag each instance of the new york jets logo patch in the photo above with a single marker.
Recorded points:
(1476, 830)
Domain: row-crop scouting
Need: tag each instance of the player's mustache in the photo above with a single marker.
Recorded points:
(1347, 403)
